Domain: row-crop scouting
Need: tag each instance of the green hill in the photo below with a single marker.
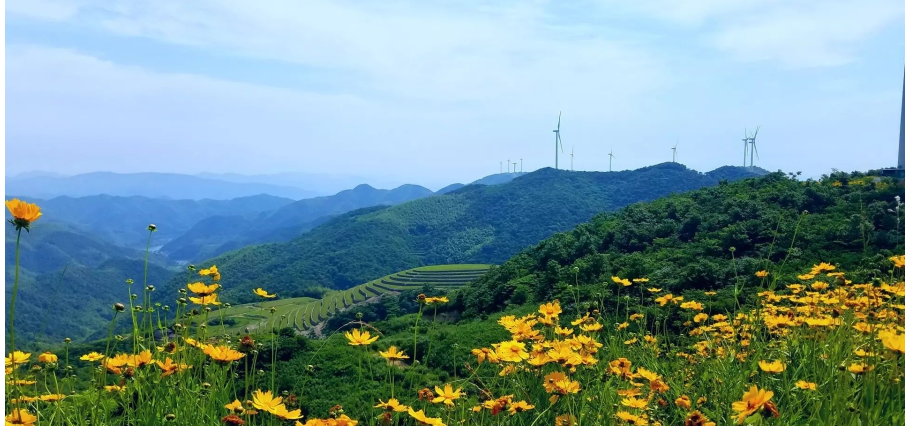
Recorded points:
(475, 224)
(218, 234)
(683, 242)
(304, 313)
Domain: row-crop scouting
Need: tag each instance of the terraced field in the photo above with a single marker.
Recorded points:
(303, 313)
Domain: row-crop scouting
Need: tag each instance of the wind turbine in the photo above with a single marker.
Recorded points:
(557, 141)
(520, 165)
(610, 166)
(674, 150)
(571, 154)
(507, 165)
(501, 167)
(745, 147)
(754, 151)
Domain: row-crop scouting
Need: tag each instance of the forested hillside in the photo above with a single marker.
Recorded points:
(475, 224)
(706, 239)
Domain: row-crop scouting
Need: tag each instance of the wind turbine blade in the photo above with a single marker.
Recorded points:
(755, 147)
(756, 132)
(560, 141)
(558, 121)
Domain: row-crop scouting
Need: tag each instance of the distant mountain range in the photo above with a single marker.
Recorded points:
(473, 224)
(152, 185)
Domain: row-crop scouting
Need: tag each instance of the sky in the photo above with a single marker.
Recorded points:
(435, 92)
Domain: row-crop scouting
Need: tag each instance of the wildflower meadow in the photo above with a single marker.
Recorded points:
(824, 349)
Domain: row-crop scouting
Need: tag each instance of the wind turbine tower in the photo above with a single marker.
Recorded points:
(753, 153)
(610, 166)
(557, 142)
(520, 165)
(902, 128)
(571, 154)
(507, 165)
(674, 150)
(745, 146)
(501, 167)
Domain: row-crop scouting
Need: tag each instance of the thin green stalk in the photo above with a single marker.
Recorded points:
(12, 315)
(421, 306)
(431, 334)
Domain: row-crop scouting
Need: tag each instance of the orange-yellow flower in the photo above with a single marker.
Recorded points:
(235, 407)
(512, 351)
(772, 367)
(282, 413)
(202, 289)
(210, 272)
(761, 274)
(263, 293)
(222, 354)
(753, 400)
(91, 357)
(359, 337)
(696, 418)
(893, 340)
(17, 358)
(802, 384)
(684, 402)
(446, 395)
(168, 367)
(20, 416)
(631, 419)
(210, 299)
(47, 357)
(550, 309)
(520, 406)
(859, 368)
(392, 404)
(421, 418)
(433, 300)
(393, 354)
(23, 213)
(265, 401)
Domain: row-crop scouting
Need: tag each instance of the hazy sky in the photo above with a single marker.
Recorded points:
(434, 92)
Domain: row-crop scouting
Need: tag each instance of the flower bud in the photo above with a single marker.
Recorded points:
(152, 227)
(170, 417)
(119, 307)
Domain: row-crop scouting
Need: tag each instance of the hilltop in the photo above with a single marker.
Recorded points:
(705, 239)
(474, 224)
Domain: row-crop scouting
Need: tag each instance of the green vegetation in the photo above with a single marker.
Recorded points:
(304, 313)
(711, 239)
(475, 224)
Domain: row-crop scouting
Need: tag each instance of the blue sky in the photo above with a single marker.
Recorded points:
(440, 92)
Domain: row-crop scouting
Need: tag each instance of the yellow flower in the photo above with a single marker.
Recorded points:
(622, 281)
(263, 293)
(772, 367)
(20, 416)
(520, 406)
(168, 367)
(859, 368)
(205, 300)
(446, 395)
(235, 407)
(393, 354)
(752, 401)
(700, 317)
(265, 401)
(640, 280)
(550, 309)
(21, 382)
(802, 384)
(16, 358)
(563, 331)
(696, 418)
(761, 274)
(898, 261)
(893, 340)
(222, 354)
(631, 419)
(591, 327)
(114, 388)
(210, 272)
(420, 417)
(23, 213)
(432, 300)
(512, 351)
(634, 317)
(281, 412)
(634, 402)
(654, 290)
(359, 337)
(693, 305)
(684, 402)
(47, 357)
(392, 404)
(53, 397)
(202, 289)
